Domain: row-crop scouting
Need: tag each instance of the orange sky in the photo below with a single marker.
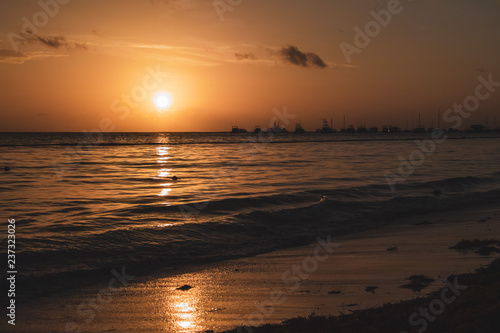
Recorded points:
(73, 71)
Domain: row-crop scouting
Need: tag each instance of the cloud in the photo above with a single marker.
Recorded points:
(11, 57)
(17, 58)
(315, 60)
(245, 56)
(51, 41)
(292, 55)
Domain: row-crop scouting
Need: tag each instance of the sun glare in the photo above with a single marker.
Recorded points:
(162, 101)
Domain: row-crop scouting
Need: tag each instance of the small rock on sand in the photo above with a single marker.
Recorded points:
(184, 287)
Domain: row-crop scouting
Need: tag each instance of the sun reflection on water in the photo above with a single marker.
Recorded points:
(164, 192)
(162, 153)
(164, 173)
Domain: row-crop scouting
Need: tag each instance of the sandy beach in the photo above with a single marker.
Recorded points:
(272, 287)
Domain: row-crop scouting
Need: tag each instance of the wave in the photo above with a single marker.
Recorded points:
(255, 225)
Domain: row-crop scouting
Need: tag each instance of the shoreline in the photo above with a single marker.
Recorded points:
(225, 294)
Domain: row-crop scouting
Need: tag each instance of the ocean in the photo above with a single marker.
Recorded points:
(87, 203)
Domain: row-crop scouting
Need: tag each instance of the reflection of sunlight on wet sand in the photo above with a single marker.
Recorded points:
(184, 313)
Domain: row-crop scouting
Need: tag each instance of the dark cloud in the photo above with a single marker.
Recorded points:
(291, 54)
(294, 56)
(315, 60)
(51, 41)
(245, 56)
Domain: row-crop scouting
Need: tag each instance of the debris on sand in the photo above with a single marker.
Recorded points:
(486, 250)
(185, 287)
(418, 282)
(392, 248)
(466, 244)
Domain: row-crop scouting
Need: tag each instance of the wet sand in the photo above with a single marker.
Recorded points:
(255, 290)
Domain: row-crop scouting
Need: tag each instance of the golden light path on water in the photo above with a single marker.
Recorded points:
(164, 173)
(179, 308)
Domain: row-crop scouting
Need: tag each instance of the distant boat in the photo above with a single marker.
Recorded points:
(394, 129)
(478, 128)
(326, 128)
(419, 129)
(236, 130)
(299, 129)
(362, 129)
(350, 129)
(257, 129)
(374, 129)
(277, 128)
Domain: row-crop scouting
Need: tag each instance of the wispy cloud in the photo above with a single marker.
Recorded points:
(175, 4)
(17, 58)
(245, 56)
(50, 41)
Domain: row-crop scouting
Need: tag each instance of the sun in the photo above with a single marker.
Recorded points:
(162, 101)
